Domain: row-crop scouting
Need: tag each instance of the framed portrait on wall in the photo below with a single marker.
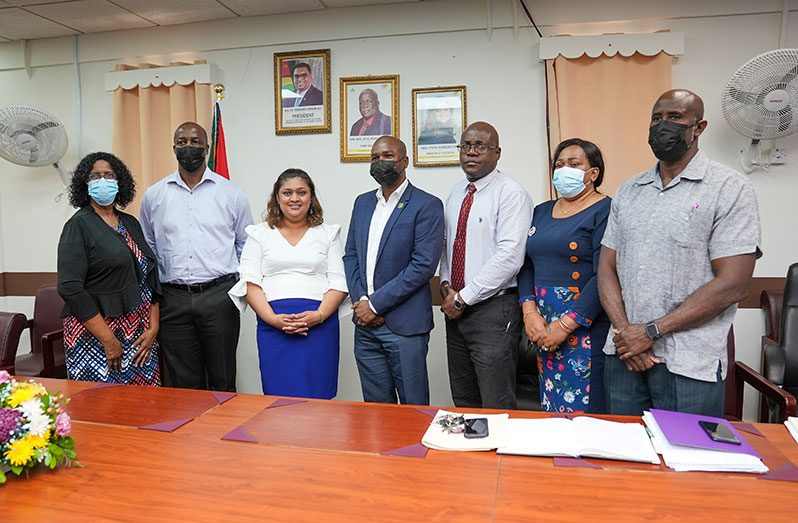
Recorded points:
(439, 117)
(302, 92)
(369, 109)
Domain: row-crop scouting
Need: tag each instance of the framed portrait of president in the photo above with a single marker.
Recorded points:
(302, 92)
(369, 109)
(439, 117)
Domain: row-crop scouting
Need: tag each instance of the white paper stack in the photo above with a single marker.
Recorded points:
(582, 436)
(437, 438)
(792, 426)
(682, 458)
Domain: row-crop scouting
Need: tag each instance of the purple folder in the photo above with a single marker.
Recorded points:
(683, 429)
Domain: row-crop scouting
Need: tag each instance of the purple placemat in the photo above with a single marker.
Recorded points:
(221, 397)
(168, 426)
(239, 434)
(104, 386)
(574, 462)
(282, 402)
(428, 412)
(787, 472)
(411, 451)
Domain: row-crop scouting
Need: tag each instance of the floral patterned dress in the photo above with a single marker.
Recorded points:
(559, 273)
(85, 356)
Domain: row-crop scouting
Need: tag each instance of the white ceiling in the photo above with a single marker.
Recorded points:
(28, 19)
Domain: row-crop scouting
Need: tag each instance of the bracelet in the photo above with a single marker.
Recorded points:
(320, 314)
(529, 312)
(564, 327)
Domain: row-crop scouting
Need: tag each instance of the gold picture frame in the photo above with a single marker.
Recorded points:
(302, 92)
(359, 130)
(439, 118)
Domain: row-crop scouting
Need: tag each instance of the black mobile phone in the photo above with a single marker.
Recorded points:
(476, 428)
(719, 432)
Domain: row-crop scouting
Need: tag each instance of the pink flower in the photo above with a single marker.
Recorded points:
(4, 376)
(560, 367)
(62, 424)
(550, 365)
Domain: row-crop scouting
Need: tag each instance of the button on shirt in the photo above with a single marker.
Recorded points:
(665, 241)
(496, 235)
(379, 219)
(197, 234)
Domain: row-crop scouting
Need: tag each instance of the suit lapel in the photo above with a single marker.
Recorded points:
(363, 234)
(397, 211)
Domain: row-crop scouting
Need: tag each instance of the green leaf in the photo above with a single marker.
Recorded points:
(16, 469)
(55, 450)
(2, 477)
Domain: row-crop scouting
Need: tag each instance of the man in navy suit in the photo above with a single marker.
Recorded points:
(394, 244)
(306, 93)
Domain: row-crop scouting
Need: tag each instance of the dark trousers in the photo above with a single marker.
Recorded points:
(482, 349)
(630, 393)
(198, 338)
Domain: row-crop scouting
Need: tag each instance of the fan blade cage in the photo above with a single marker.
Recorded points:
(760, 100)
(31, 137)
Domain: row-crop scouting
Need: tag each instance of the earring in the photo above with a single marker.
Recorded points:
(310, 212)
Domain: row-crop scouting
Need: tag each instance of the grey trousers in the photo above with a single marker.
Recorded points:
(630, 393)
(482, 349)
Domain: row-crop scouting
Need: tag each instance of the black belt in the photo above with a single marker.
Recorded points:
(508, 290)
(201, 287)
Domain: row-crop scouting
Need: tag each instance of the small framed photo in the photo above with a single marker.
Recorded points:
(439, 117)
(302, 92)
(369, 109)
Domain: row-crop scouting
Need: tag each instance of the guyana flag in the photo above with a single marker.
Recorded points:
(217, 162)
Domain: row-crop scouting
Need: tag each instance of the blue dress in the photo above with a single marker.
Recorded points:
(559, 272)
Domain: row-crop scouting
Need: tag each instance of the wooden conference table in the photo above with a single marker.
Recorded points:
(325, 461)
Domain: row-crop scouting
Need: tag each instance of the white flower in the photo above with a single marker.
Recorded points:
(549, 385)
(557, 376)
(585, 399)
(568, 396)
(38, 422)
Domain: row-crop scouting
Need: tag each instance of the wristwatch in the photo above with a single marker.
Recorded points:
(652, 331)
(458, 303)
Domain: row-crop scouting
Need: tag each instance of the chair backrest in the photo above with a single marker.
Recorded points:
(730, 406)
(11, 326)
(789, 328)
(770, 302)
(46, 315)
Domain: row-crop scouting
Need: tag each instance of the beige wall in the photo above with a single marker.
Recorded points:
(427, 44)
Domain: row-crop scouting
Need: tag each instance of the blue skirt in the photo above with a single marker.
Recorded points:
(299, 366)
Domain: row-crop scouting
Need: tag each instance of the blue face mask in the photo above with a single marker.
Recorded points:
(103, 191)
(569, 181)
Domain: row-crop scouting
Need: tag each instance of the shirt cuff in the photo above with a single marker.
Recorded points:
(579, 319)
(366, 299)
(467, 296)
(529, 297)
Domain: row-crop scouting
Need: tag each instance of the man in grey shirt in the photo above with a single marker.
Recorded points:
(678, 254)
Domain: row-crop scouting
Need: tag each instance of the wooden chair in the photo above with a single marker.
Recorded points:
(770, 301)
(739, 374)
(11, 326)
(46, 358)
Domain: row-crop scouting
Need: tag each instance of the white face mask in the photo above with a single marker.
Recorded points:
(569, 181)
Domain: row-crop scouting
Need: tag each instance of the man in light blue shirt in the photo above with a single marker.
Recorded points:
(194, 221)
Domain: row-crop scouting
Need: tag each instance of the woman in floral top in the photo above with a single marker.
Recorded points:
(557, 284)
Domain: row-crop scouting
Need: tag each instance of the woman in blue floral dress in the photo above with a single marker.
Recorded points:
(557, 284)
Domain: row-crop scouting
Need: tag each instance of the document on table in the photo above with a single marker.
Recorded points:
(792, 426)
(684, 458)
(438, 438)
(579, 437)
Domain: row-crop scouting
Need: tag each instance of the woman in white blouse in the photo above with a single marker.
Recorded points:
(292, 275)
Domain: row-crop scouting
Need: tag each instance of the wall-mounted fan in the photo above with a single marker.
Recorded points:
(760, 102)
(32, 138)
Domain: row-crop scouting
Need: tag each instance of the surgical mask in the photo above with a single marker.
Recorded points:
(103, 191)
(384, 172)
(667, 140)
(569, 181)
(190, 158)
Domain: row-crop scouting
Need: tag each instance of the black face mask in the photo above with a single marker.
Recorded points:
(190, 158)
(384, 172)
(667, 140)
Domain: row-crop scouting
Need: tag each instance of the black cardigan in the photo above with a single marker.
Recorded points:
(97, 271)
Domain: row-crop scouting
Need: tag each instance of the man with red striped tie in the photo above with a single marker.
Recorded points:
(487, 219)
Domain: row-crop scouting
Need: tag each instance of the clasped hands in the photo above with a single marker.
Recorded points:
(547, 336)
(299, 323)
(364, 316)
(634, 347)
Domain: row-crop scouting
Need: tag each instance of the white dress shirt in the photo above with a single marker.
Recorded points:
(379, 219)
(196, 234)
(306, 270)
(496, 233)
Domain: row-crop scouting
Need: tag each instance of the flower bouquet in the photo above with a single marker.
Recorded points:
(34, 428)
